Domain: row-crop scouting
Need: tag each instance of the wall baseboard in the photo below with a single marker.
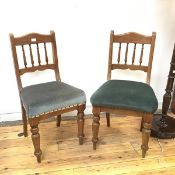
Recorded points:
(15, 116)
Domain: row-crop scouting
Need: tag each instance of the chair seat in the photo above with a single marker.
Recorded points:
(125, 95)
(50, 96)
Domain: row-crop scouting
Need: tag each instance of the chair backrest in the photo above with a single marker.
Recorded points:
(126, 40)
(31, 51)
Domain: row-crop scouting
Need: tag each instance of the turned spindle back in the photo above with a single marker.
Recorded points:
(33, 52)
(124, 43)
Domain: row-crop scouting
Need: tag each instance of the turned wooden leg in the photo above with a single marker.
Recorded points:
(95, 126)
(58, 120)
(80, 122)
(147, 120)
(141, 124)
(36, 140)
(108, 119)
(24, 119)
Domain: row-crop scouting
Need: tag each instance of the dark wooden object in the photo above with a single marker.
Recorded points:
(35, 41)
(127, 38)
(164, 125)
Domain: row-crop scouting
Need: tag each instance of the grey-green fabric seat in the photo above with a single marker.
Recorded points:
(125, 95)
(50, 96)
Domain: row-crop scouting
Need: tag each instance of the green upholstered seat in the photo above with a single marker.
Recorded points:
(49, 96)
(125, 95)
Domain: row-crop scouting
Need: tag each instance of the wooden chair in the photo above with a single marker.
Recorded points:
(127, 97)
(44, 100)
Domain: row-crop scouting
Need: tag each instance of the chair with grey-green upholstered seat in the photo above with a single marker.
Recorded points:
(43, 100)
(124, 96)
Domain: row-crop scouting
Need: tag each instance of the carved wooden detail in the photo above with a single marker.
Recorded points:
(146, 130)
(119, 52)
(95, 126)
(168, 94)
(134, 52)
(36, 140)
(141, 54)
(37, 43)
(38, 54)
(127, 39)
(126, 53)
(80, 122)
(45, 50)
(136, 39)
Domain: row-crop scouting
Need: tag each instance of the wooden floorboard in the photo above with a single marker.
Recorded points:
(118, 151)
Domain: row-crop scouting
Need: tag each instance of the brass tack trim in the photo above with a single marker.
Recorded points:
(55, 110)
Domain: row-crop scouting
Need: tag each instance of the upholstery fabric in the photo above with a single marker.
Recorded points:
(125, 95)
(49, 96)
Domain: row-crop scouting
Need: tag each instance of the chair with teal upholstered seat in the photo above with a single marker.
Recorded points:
(124, 96)
(43, 100)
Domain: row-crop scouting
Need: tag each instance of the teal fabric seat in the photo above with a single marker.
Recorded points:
(125, 95)
(50, 96)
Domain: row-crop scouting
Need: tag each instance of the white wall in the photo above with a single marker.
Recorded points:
(82, 32)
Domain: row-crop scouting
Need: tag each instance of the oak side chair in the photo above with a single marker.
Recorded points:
(124, 96)
(44, 100)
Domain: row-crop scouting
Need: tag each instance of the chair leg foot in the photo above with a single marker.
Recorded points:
(80, 122)
(36, 141)
(147, 120)
(25, 134)
(39, 158)
(144, 152)
(95, 126)
(58, 121)
(94, 145)
(94, 141)
(81, 140)
(108, 119)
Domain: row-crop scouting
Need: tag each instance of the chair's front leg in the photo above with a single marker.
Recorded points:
(95, 125)
(147, 121)
(36, 138)
(141, 124)
(80, 122)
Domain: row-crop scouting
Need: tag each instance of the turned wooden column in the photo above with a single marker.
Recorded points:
(36, 138)
(95, 125)
(163, 124)
(80, 122)
(168, 95)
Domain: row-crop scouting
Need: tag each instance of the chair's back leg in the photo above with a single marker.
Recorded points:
(108, 119)
(58, 122)
(24, 119)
